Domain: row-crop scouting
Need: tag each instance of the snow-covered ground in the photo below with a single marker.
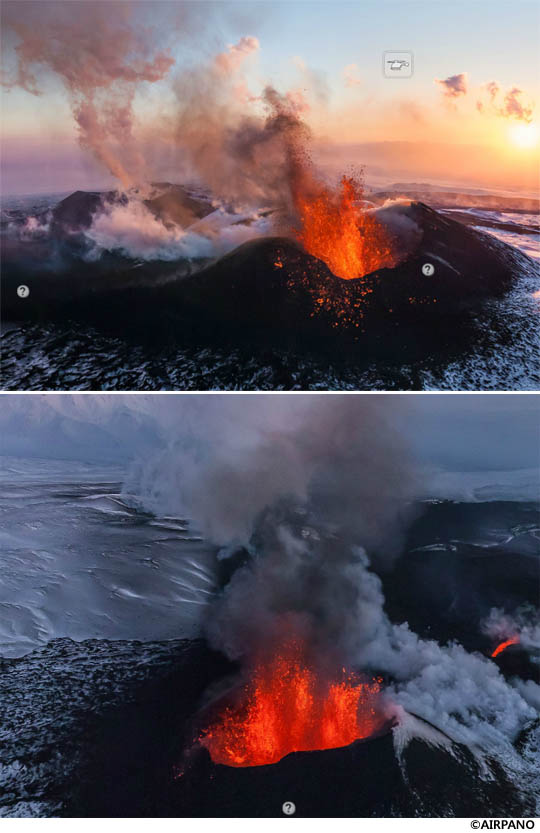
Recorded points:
(77, 561)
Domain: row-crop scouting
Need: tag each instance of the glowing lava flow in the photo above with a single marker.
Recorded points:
(352, 243)
(284, 708)
(514, 640)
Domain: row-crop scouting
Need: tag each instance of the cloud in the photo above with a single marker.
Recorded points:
(493, 88)
(350, 75)
(454, 86)
(506, 105)
(231, 60)
(514, 108)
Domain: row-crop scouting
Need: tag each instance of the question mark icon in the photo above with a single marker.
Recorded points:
(289, 808)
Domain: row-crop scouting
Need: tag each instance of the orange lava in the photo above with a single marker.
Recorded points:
(284, 708)
(514, 640)
(334, 229)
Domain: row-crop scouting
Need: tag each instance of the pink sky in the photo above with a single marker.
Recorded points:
(467, 116)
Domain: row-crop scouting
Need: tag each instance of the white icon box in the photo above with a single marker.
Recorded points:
(398, 64)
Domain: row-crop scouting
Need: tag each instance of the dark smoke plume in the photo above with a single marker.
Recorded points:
(309, 501)
(249, 150)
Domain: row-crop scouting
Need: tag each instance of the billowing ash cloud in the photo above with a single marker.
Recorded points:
(332, 455)
(304, 489)
(247, 151)
(319, 489)
(454, 86)
(236, 142)
(507, 105)
(101, 57)
(244, 148)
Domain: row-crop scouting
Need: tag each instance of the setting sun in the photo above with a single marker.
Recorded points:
(524, 135)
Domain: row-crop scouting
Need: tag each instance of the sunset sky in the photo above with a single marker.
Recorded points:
(479, 127)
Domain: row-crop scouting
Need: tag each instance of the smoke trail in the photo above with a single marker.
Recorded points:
(235, 141)
(101, 57)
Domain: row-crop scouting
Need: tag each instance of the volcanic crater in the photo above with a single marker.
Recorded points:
(269, 288)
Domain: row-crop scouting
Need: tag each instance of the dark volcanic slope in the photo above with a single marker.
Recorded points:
(99, 729)
(274, 284)
(97, 717)
(271, 288)
(170, 203)
(365, 779)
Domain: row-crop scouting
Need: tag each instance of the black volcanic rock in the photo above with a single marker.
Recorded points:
(84, 723)
(105, 729)
(365, 779)
(273, 282)
(362, 780)
(172, 204)
(271, 289)
(74, 213)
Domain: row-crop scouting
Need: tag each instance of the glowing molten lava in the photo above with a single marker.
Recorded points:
(513, 640)
(351, 242)
(284, 708)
